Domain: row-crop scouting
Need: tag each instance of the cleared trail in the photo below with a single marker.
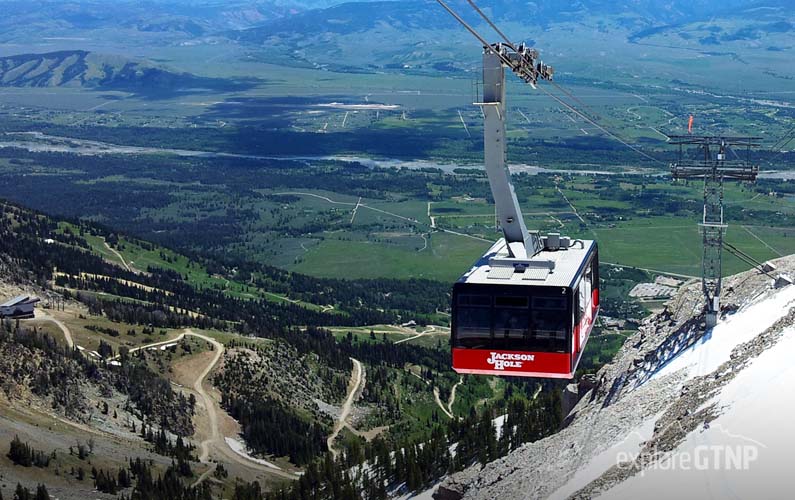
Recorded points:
(215, 442)
(440, 404)
(67, 333)
(452, 395)
(117, 254)
(354, 386)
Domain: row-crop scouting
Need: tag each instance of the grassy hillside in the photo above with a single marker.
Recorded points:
(82, 69)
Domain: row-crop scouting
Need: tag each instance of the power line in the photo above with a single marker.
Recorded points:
(512, 46)
(770, 160)
(574, 97)
(493, 26)
(784, 138)
(486, 45)
(746, 258)
(592, 122)
(504, 59)
(471, 30)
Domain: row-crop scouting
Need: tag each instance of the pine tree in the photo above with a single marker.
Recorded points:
(124, 478)
(22, 493)
(20, 453)
(41, 493)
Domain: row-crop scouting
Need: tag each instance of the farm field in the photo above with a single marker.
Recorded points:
(342, 220)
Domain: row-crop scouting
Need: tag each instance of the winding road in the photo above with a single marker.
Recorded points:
(215, 442)
(452, 394)
(354, 387)
(208, 402)
(440, 404)
(416, 335)
(448, 409)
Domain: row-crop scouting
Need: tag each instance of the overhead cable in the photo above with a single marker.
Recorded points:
(504, 59)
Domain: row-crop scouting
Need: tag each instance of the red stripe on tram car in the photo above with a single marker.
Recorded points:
(583, 330)
(512, 363)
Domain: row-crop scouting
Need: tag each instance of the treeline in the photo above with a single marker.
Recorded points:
(337, 354)
(23, 454)
(23, 493)
(270, 428)
(382, 466)
(168, 301)
(31, 358)
(178, 450)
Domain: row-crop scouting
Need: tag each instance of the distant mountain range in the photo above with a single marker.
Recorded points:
(359, 16)
(414, 35)
(78, 68)
(418, 34)
(203, 17)
(188, 17)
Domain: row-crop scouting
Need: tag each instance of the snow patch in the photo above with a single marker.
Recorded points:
(163, 347)
(757, 417)
(599, 464)
(715, 348)
(423, 495)
(242, 450)
(499, 423)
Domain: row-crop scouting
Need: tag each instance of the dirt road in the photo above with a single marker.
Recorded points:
(430, 330)
(40, 314)
(214, 442)
(117, 254)
(440, 404)
(354, 387)
(209, 404)
(452, 395)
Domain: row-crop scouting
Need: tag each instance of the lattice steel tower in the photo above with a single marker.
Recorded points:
(713, 168)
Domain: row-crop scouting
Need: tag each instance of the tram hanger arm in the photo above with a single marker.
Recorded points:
(521, 243)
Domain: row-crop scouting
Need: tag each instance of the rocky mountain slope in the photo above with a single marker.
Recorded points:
(679, 413)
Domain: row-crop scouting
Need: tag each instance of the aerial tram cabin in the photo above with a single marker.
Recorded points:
(527, 306)
(526, 321)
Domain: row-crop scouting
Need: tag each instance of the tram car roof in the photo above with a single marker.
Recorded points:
(566, 267)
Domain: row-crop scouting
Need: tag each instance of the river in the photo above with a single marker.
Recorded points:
(38, 142)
